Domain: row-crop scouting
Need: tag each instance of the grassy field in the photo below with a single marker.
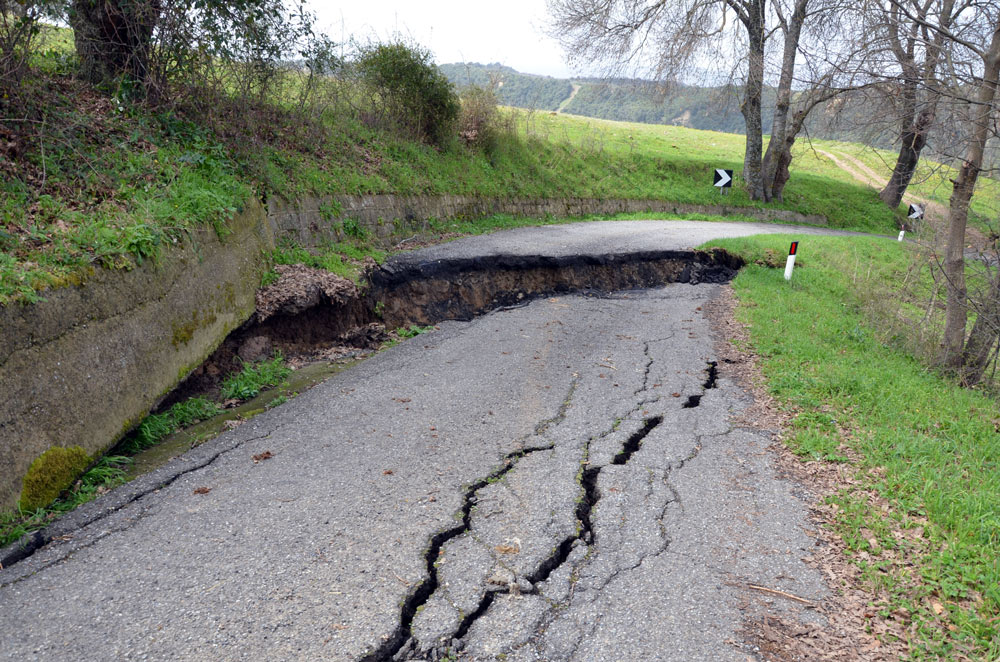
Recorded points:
(932, 181)
(922, 522)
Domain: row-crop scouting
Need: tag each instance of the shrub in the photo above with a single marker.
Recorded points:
(404, 90)
(480, 124)
(19, 30)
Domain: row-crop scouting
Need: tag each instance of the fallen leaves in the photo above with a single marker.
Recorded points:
(201, 490)
(260, 457)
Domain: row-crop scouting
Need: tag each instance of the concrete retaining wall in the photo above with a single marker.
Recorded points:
(88, 363)
(385, 214)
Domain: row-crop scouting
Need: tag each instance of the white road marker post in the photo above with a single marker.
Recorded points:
(901, 233)
(790, 264)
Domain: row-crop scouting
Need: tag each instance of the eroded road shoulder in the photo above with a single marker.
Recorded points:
(559, 481)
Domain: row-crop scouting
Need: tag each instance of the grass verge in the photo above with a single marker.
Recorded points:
(922, 520)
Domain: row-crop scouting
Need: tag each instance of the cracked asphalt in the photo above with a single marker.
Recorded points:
(558, 481)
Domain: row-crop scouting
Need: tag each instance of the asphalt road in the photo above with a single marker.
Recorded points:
(559, 481)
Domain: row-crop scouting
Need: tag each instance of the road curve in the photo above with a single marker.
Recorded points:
(558, 481)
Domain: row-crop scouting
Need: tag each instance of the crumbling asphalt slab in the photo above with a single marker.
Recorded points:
(598, 239)
(604, 516)
(557, 481)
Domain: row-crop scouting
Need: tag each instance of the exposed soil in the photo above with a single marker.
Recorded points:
(853, 629)
(312, 315)
(460, 289)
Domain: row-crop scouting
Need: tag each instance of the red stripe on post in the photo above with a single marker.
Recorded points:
(794, 248)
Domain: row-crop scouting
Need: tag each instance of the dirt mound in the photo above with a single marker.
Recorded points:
(300, 288)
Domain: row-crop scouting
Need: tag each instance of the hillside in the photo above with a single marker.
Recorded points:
(848, 118)
(92, 181)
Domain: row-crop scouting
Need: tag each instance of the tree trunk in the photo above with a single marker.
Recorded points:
(782, 173)
(956, 312)
(913, 140)
(916, 120)
(751, 106)
(113, 37)
(984, 336)
(776, 158)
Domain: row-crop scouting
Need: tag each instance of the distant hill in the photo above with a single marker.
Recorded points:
(715, 109)
(708, 108)
(711, 108)
(513, 88)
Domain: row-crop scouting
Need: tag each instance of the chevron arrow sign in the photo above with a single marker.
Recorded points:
(723, 178)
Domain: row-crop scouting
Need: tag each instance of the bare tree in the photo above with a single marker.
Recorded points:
(661, 39)
(907, 53)
(976, 31)
(802, 86)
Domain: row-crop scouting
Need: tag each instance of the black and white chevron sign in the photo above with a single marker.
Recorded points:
(723, 178)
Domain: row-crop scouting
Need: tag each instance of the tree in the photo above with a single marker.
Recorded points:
(908, 39)
(148, 45)
(980, 26)
(617, 32)
(113, 37)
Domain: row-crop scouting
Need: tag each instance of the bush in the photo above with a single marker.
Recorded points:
(19, 30)
(404, 90)
(480, 124)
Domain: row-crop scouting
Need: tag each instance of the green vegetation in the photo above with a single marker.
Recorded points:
(413, 331)
(342, 258)
(108, 472)
(157, 426)
(404, 90)
(923, 446)
(103, 182)
(51, 473)
(512, 88)
(254, 377)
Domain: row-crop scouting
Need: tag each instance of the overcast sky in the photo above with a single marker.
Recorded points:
(511, 32)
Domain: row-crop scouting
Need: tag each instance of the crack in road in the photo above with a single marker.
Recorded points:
(399, 640)
(24, 549)
(713, 376)
(585, 531)
(403, 645)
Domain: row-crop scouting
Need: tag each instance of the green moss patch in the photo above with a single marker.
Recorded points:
(52, 472)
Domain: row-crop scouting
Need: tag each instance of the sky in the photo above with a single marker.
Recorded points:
(511, 32)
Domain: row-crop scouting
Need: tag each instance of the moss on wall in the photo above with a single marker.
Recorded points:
(52, 472)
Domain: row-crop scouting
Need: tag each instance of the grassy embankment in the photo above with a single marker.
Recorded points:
(922, 447)
(90, 181)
